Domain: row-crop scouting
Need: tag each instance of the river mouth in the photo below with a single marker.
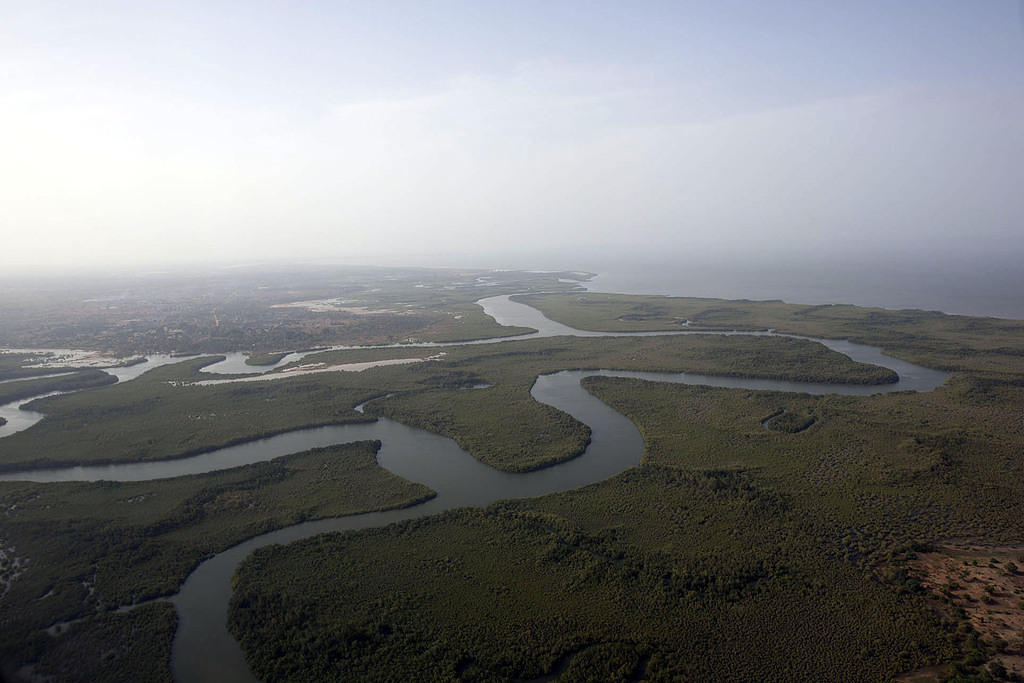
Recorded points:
(204, 650)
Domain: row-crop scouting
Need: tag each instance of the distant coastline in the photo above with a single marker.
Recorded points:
(980, 291)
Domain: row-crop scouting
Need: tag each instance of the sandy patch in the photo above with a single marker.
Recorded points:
(988, 584)
(333, 305)
(68, 358)
(11, 566)
(315, 369)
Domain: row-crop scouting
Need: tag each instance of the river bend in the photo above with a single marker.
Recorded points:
(204, 650)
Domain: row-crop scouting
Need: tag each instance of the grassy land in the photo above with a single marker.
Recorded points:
(731, 356)
(154, 417)
(84, 652)
(421, 600)
(465, 321)
(732, 553)
(503, 426)
(790, 422)
(765, 536)
(898, 468)
(151, 418)
(94, 546)
(13, 365)
(84, 379)
(933, 339)
(359, 355)
(266, 358)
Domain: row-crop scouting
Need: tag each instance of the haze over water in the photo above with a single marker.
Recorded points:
(871, 135)
(978, 289)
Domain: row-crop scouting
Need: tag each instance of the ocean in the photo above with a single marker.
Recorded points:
(990, 289)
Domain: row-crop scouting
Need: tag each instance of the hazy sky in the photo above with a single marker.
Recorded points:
(436, 132)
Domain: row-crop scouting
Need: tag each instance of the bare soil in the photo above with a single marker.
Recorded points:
(988, 584)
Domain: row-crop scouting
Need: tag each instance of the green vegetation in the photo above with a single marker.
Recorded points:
(83, 652)
(267, 358)
(13, 365)
(781, 553)
(83, 379)
(789, 422)
(94, 546)
(153, 417)
(765, 535)
(160, 416)
(897, 467)
(422, 600)
(363, 355)
(728, 356)
(773, 530)
(464, 321)
(936, 340)
(502, 426)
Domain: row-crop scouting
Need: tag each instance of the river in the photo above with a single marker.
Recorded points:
(204, 650)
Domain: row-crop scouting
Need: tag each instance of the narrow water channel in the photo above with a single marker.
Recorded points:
(19, 419)
(205, 651)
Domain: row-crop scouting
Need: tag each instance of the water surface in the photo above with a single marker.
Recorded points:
(203, 648)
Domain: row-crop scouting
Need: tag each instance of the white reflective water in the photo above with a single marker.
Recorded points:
(19, 419)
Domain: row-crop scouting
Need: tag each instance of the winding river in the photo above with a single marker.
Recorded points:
(204, 650)
(19, 419)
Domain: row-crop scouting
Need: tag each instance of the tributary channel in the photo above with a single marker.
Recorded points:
(204, 650)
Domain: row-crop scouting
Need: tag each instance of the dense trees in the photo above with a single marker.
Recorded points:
(95, 546)
(734, 552)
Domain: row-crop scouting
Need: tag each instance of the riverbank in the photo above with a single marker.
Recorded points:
(467, 369)
(133, 541)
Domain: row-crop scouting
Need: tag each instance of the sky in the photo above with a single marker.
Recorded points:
(508, 133)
